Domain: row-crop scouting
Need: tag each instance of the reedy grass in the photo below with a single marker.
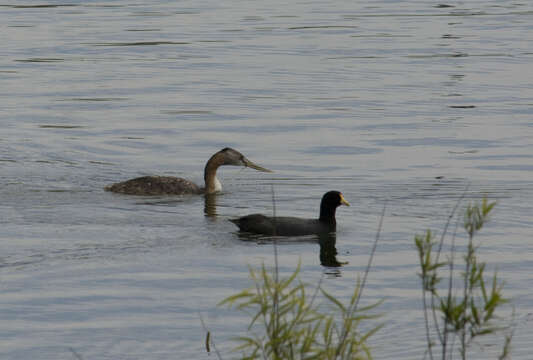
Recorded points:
(298, 328)
(467, 310)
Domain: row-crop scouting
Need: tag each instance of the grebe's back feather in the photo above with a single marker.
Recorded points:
(155, 185)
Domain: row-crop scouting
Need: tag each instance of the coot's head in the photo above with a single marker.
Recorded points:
(330, 201)
(333, 199)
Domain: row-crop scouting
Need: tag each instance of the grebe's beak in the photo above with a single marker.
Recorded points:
(251, 165)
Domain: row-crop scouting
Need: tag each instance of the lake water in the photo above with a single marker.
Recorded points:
(398, 102)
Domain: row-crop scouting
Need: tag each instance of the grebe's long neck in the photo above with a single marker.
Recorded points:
(212, 184)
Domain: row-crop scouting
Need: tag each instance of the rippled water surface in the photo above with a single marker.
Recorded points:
(397, 102)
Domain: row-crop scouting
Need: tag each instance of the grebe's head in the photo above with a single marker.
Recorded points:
(233, 157)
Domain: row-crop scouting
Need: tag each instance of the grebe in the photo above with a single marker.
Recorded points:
(293, 226)
(170, 185)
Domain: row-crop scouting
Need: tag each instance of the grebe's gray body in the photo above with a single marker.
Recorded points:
(169, 185)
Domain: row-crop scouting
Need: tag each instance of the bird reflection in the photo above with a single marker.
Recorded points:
(210, 206)
(326, 242)
(328, 251)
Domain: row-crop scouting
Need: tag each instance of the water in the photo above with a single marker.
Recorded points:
(405, 103)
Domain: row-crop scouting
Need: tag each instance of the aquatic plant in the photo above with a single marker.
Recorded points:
(288, 324)
(466, 310)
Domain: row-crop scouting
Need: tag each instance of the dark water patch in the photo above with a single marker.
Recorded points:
(457, 76)
(310, 169)
(52, 126)
(443, 6)
(415, 15)
(445, 55)
(342, 150)
(462, 106)
(327, 98)
(492, 55)
(271, 129)
(142, 43)
(337, 109)
(471, 13)
(380, 35)
(436, 141)
(355, 57)
(265, 28)
(311, 27)
(100, 162)
(41, 60)
(56, 161)
(511, 167)
(493, 157)
(212, 144)
(150, 13)
(450, 36)
(94, 99)
(59, 190)
(34, 259)
(253, 18)
(186, 112)
(167, 201)
(530, 12)
(39, 6)
(213, 41)
(280, 240)
(8, 71)
(140, 132)
(8, 160)
(186, 12)
(389, 126)
(104, 5)
(81, 253)
(141, 30)
(463, 152)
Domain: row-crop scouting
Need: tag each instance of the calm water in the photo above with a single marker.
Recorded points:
(400, 102)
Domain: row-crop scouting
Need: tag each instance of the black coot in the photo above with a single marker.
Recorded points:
(293, 226)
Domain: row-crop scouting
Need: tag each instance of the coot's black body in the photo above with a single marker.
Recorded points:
(293, 226)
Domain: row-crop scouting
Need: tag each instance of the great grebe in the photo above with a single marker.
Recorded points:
(170, 185)
(293, 226)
